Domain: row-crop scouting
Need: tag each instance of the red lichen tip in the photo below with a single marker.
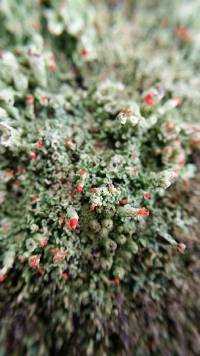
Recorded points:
(79, 188)
(10, 173)
(195, 142)
(34, 198)
(83, 172)
(123, 202)
(52, 67)
(116, 281)
(59, 255)
(149, 99)
(93, 190)
(177, 101)
(65, 276)
(2, 277)
(52, 57)
(44, 243)
(70, 143)
(143, 211)
(20, 170)
(167, 150)
(33, 156)
(93, 206)
(34, 261)
(183, 33)
(44, 99)
(30, 100)
(39, 144)
(182, 161)
(147, 195)
(35, 25)
(21, 259)
(84, 52)
(72, 223)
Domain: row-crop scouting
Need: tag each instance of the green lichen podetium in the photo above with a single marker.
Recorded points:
(92, 105)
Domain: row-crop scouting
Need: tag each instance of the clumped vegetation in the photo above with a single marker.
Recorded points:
(99, 110)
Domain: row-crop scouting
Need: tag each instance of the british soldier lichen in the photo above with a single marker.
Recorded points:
(87, 158)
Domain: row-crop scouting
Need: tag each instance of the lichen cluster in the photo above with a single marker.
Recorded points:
(95, 102)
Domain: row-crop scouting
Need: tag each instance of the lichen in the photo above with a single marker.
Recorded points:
(93, 106)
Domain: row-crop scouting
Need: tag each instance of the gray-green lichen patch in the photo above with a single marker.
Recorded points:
(93, 133)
